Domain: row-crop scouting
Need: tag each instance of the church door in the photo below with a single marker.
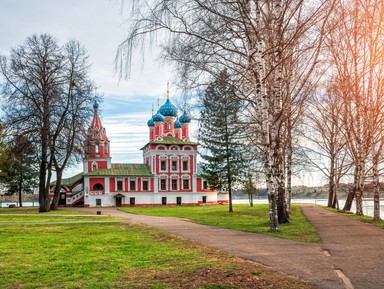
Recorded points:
(118, 201)
(63, 199)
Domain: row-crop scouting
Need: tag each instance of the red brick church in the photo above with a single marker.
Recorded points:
(169, 174)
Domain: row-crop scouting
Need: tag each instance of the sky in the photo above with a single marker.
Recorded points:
(100, 25)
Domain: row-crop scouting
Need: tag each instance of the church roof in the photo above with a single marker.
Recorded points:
(96, 122)
(185, 118)
(169, 140)
(123, 170)
(177, 123)
(172, 140)
(69, 181)
(168, 109)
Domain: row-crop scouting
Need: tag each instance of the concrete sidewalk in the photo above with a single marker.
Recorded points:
(355, 248)
(350, 255)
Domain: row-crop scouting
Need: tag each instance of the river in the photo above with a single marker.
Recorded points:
(367, 204)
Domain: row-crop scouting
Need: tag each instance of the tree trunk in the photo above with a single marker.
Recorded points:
(56, 195)
(281, 206)
(376, 188)
(352, 192)
(289, 167)
(376, 194)
(280, 177)
(42, 196)
(331, 192)
(335, 201)
(349, 200)
(20, 190)
(250, 197)
(359, 191)
(257, 65)
(43, 193)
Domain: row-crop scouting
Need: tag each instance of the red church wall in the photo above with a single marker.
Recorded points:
(112, 187)
(94, 181)
(100, 165)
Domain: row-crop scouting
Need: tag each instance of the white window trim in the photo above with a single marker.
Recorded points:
(119, 179)
(94, 166)
(166, 184)
(177, 185)
(182, 165)
(149, 184)
(177, 165)
(166, 165)
(129, 184)
(189, 183)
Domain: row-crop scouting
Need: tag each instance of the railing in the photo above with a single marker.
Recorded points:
(75, 198)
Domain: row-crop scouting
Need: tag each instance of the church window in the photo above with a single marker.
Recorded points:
(205, 185)
(174, 165)
(98, 187)
(185, 165)
(163, 184)
(174, 185)
(163, 165)
(106, 148)
(185, 184)
(94, 166)
(97, 148)
(145, 185)
(132, 185)
(119, 185)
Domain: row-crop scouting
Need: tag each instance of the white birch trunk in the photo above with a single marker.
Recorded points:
(257, 68)
(376, 190)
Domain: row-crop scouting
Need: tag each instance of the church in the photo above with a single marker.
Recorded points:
(168, 176)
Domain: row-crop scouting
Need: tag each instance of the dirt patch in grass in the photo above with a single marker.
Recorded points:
(243, 275)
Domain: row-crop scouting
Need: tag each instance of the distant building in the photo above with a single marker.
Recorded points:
(169, 174)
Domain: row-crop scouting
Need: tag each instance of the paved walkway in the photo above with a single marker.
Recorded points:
(350, 255)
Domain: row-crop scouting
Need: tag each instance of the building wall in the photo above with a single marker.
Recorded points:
(151, 199)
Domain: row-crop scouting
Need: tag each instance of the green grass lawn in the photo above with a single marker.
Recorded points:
(244, 218)
(35, 211)
(119, 255)
(364, 219)
(32, 215)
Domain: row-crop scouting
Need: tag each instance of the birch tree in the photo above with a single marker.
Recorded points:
(326, 149)
(356, 51)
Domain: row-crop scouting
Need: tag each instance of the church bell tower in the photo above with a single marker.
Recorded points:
(96, 146)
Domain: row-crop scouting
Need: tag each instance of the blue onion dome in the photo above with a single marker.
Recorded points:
(95, 104)
(151, 122)
(158, 117)
(185, 118)
(168, 109)
(177, 123)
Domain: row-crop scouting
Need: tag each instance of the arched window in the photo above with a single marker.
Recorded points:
(94, 166)
(98, 187)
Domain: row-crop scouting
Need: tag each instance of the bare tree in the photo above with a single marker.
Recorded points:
(355, 46)
(326, 150)
(38, 86)
(68, 138)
